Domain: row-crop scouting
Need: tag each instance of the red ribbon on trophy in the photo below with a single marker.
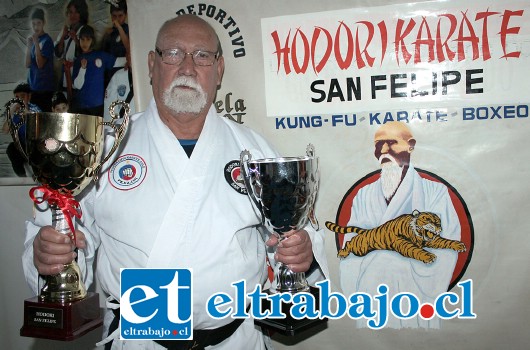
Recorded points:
(68, 205)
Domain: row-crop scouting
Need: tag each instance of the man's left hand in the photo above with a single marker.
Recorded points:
(294, 250)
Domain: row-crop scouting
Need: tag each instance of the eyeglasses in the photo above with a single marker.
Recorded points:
(176, 56)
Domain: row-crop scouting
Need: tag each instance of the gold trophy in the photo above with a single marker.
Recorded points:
(64, 151)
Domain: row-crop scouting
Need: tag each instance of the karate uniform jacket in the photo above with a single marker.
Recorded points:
(155, 207)
(118, 88)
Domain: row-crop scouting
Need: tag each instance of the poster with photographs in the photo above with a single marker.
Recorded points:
(38, 39)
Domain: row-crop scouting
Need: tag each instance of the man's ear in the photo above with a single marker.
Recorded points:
(220, 70)
(150, 62)
(412, 144)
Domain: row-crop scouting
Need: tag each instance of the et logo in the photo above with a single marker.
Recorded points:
(156, 304)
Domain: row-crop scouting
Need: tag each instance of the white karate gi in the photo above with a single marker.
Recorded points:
(117, 89)
(401, 274)
(183, 215)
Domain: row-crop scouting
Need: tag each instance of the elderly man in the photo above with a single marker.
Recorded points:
(400, 190)
(165, 202)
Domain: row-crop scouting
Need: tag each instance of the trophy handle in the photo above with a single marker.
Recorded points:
(312, 217)
(245, 157)
(310, 151)
(15, 127)
(119, 130)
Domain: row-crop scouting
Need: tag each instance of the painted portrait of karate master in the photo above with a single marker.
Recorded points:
(402, 226)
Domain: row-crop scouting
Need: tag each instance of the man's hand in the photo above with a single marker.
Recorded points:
(51, 250)
(294, 250)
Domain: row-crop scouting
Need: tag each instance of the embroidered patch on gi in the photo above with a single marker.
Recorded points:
(234, 177)
(127, 172)
(122, 89)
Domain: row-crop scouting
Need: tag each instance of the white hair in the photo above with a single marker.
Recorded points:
(390, 175)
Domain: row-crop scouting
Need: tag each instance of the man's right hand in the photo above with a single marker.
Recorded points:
(51, 250)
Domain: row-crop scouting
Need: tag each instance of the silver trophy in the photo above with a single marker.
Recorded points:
(284, 191)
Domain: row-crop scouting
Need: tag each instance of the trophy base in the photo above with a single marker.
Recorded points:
(289, 325)
(61, 321)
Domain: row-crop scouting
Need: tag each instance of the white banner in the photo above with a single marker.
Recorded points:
(422, 55)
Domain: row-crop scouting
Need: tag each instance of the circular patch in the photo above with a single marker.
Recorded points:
(122, 89)
(98, 62)
(234, 177)
(127, 172)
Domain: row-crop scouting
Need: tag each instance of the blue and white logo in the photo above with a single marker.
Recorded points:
(156, 304)
(127, 172)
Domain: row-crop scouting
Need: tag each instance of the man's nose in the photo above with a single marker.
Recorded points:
(384, 148)
(187, 66)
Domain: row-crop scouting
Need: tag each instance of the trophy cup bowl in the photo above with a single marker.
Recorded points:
(284, 191)
(64, 151)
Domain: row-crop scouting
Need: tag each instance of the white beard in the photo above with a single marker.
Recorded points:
(184, 101)
(390, 176)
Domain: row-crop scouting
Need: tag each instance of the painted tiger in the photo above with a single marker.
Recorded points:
(407, 235)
